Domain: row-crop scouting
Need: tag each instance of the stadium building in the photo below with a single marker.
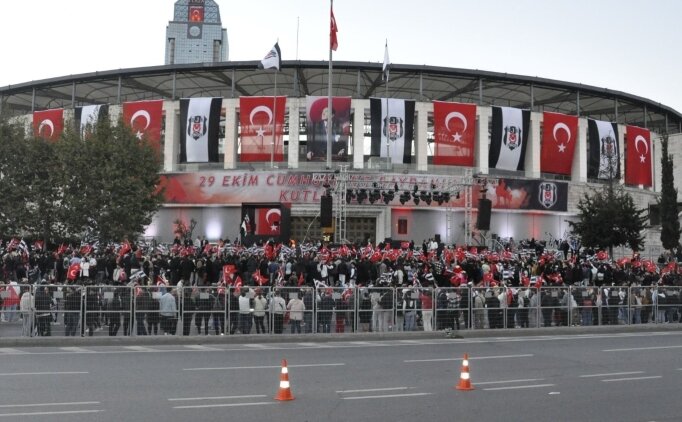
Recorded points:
(414, 157)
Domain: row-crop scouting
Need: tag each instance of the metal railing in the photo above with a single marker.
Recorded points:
(72, 310)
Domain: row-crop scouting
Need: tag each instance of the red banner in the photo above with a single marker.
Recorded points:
(258, 116)
(454, 131)
(638, 156)
(144, 119)
(48, 124)
(559, 136)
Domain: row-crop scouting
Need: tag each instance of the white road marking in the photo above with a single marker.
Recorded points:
(388, 396)
(218, 398)
(470, 358)
(611, 374)
(140, 349)
(518, 387)
(76, 350)
(203, 406)
(314, 344)
(367, 390)
(259, 346)
(312, 365)
(509, 381)
(10, 351)
(634, 349)
(17, 374)
(202, 348)
(633, 378)
(65, 412)
(76, 403)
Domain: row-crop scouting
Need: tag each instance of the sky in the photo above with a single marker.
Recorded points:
(625, 45)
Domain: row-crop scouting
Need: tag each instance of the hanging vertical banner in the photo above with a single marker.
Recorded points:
(604, 155)
(559, 135)
(392, 128)
(509, 138)
(638, 156)
(455, 133)
(316, 128)
(144, 119)
(86, 117)
(200, 119)
(48, 124)
(257, 117)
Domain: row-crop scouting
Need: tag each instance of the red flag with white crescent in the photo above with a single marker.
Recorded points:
(454, 132)
(74, 271)
(268, 221)
(559, 136)
(258, 116)
(638, 156)
(144, 119)
(48, 124)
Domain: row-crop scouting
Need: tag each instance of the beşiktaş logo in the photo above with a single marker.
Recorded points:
(547, 194)
(197, 127)
(512, 137)
(393, 127)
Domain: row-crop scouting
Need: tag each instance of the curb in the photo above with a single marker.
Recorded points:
(331, 338)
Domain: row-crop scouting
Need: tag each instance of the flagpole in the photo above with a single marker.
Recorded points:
(274, 123)
(329, 103)
(388, 143)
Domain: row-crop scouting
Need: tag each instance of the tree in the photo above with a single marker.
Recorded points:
(11, 198)
(670, 223)
(608, 218)
(103, 187)
(111, 183)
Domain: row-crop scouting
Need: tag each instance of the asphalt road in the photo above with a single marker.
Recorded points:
(589, 377)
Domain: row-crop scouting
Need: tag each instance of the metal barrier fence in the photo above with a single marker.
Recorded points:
(72, 310)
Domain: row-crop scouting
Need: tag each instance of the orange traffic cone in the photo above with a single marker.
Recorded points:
(284, 392)
(464, 380)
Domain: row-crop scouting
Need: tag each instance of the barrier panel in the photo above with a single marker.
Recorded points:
(104, 310)
(449, 313)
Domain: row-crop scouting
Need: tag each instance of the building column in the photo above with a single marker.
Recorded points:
(421, 141)
(359, 107)
(482, 139)
(579, 168)
(230, 141)
(172, 132)
(294, 132)
(532, 160)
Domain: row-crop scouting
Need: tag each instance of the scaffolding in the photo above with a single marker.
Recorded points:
(344, 187)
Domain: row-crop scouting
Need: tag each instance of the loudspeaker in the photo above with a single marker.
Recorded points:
(436, 237)
(483, 219)
(326, 211)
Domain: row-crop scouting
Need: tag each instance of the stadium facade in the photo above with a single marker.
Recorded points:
(423, 192)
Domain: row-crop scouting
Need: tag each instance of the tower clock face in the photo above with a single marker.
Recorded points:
(194, 31)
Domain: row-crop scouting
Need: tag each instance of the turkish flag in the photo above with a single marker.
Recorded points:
(258, 116)
(333, 29)
(228, 271)
(74, 271)
(559, 136)
(454, 132)
(637, 156)
(48, 124)
(268, 221)
(144, 119)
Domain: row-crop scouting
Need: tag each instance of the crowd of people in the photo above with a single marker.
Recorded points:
(197, 287)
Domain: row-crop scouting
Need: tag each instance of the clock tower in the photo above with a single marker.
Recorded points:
(195, 34)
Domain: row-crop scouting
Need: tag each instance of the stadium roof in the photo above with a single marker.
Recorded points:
(358, 80)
